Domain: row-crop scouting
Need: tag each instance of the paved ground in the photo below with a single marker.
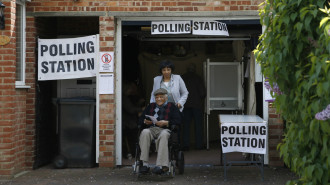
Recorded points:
(194, 175)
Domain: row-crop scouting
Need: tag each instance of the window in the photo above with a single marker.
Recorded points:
(20, 43)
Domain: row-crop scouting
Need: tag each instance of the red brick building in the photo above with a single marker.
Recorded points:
(26, 108)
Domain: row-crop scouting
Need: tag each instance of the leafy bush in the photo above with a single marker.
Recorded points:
(294, 53)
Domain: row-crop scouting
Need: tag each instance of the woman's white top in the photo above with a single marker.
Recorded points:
(177, 86)
(167, 86)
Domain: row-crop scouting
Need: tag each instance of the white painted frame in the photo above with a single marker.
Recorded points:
(97, 140)
(118, 97)
(21, 83)
(118, 62)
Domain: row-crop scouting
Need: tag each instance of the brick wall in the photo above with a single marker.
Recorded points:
(107, 34)
(17, 108)
(107, 102)
(275, 136)
(143, 5)
(30, 80)
(12, 103)
(18, 131)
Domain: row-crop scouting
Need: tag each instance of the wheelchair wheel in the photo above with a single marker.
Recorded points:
(180, 162)
(60, 162)
(136, 167)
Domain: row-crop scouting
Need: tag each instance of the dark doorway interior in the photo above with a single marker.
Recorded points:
(139, 44)
(46, 139)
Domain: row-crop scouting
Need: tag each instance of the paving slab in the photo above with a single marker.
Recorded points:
(193, 175)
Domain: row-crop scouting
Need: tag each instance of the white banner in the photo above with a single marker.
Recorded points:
(244, 137)
(170, 27)
(67, 58)
(209, 28)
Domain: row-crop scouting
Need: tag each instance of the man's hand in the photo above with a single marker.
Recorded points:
(162, 123)
(179, 105)
(147, 122)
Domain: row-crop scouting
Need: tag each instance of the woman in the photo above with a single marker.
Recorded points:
(175, 86)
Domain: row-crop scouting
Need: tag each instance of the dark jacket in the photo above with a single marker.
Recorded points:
(171, 114)
(196, 88)
(130, 113)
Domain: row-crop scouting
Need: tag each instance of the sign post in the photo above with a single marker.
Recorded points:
(243, 133)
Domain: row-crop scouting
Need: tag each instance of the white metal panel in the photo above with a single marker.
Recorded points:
(96, 94)
(72, 88)
(258, 74)
(224, 86)
(118, 82)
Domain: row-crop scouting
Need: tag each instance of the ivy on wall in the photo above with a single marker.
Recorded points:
(294, 53)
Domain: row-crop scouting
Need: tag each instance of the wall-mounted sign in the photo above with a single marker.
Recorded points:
(4, 39)
(106, 83)
(209, 28)
(67, 58)
(170, 27)
(106, 61)
(189, 27)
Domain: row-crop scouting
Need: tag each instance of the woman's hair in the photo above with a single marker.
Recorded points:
(166, 63)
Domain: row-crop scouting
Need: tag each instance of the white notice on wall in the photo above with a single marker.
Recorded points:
(106, 61)
(106, 84)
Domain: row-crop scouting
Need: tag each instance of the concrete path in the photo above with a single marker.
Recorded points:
(194, 175)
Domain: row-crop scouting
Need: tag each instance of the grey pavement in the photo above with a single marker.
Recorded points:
(197, 175)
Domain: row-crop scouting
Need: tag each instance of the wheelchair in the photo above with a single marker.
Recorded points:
(176, 155)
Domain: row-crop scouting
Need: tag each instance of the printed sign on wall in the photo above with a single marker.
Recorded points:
(215, 28)
(170, 27)
(67, 58)
(244, 137)
(106, 83)
(209, 28)
(106, 61)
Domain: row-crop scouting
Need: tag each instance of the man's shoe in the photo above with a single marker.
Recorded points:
(144, 169)
(159, 171)
(165, 169)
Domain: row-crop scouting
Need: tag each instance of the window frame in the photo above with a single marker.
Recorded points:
(21, 83)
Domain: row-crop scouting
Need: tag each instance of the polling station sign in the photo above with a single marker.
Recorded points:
(209, 28)
(67, 58)
(170, 27)
(214, 28)
(244, 137)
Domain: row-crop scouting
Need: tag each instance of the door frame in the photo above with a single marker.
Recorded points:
(118, 59)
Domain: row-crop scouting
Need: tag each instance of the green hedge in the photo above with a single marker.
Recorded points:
(294, 53)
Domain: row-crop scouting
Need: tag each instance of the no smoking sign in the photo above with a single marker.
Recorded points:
(106, 61)
(106, 58)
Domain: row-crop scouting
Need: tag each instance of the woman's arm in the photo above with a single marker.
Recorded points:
(175, 116)
(183, 92)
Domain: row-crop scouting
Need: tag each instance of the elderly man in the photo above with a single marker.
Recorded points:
(157, 118)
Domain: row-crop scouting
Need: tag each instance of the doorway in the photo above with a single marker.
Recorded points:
(142, 53)
(46, 140)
